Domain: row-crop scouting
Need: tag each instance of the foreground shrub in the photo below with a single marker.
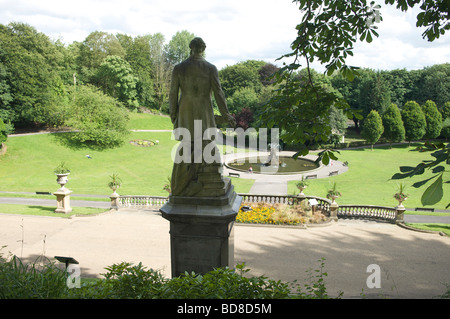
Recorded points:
(127, 281)
(39, 280)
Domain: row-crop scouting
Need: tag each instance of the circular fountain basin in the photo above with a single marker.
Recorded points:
(286, 165)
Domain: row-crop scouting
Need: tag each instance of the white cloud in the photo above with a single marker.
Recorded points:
(234, 30)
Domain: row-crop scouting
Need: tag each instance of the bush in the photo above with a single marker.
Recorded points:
(127, 281)
(99, 120)
(39, 280)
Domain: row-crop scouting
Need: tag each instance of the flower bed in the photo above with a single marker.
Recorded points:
(279, 214)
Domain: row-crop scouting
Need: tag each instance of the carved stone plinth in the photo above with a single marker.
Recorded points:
(201, 231)
(63, 201)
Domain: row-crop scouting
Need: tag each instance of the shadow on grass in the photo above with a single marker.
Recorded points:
(43, 208)
(71, 141)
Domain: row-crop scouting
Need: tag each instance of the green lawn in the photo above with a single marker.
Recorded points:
(47, 211)
(367, 180)
(147, 121)
(28, 166)
(29, 162)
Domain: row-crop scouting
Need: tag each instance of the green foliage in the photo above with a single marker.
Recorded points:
(372, 127)
(99, 120)
(244, 98)
(394, 131)
(30, 85)
(3, 132)
(434, 16)
(241, 75)
(38, 280)
(117, 80)
(434, 192)
(433, 119)
(414, 121)
(446, 117)
(374, 94)
(44, 280)
(177, 50)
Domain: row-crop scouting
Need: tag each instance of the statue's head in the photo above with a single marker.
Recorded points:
(197, 46)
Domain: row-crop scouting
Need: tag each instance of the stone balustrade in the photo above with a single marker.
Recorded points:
(139, 201)
(369, 212)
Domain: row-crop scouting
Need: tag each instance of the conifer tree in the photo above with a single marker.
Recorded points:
(372, 128)
(394, 130)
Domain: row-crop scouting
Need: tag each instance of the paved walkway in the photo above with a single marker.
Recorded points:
(412, 264)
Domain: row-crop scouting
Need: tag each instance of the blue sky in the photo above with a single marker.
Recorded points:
(234, 30)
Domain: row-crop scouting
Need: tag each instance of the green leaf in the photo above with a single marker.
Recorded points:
(434, 193)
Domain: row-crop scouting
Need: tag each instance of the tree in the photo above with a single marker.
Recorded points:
(29, 78)
(433, 119)
(414, 121)
(446, 117)
(245, 97)
(116, 79)
(267, 72)
(3, 132)
(138, 55)
(394, 130)
(241, 75)
(435, 84)
(161, 71)
(177, 50)
(98, 120)
(372, 128)
(326, 34)
(93, 50)
(374, 94)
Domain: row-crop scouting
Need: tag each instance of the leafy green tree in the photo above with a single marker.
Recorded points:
(374, 95)
(436, 84)
(399, 83)
(161, 71)
(414, 121)
(3, 132)
(326, 34)
(433, 119)
(372, 128)
(138, 55)
(98, 120)
(177, 50)
(32, 87)
(446, 117)
(116, 78)
(93, 50)
(245, 97)
(241, 75)
(5, 94)
(394, 130)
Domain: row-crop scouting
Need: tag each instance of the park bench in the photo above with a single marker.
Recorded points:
(43, 193)
(234, 174)
(424, 209)
(311, 176)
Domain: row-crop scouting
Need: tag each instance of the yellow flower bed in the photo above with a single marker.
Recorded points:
(277, 215)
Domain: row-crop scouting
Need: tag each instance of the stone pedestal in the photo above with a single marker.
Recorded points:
(400, 214)
(333, 211)
(201, 231)
(63, 201)
(114, 200)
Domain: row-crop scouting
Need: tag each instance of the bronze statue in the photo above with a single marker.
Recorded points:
(190, 105)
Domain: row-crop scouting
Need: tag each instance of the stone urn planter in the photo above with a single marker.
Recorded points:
(114, 184)
(302, 185)
(62, 179)
(400, 196)
(62, 194)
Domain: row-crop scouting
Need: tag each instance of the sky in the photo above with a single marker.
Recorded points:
(234, 30)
